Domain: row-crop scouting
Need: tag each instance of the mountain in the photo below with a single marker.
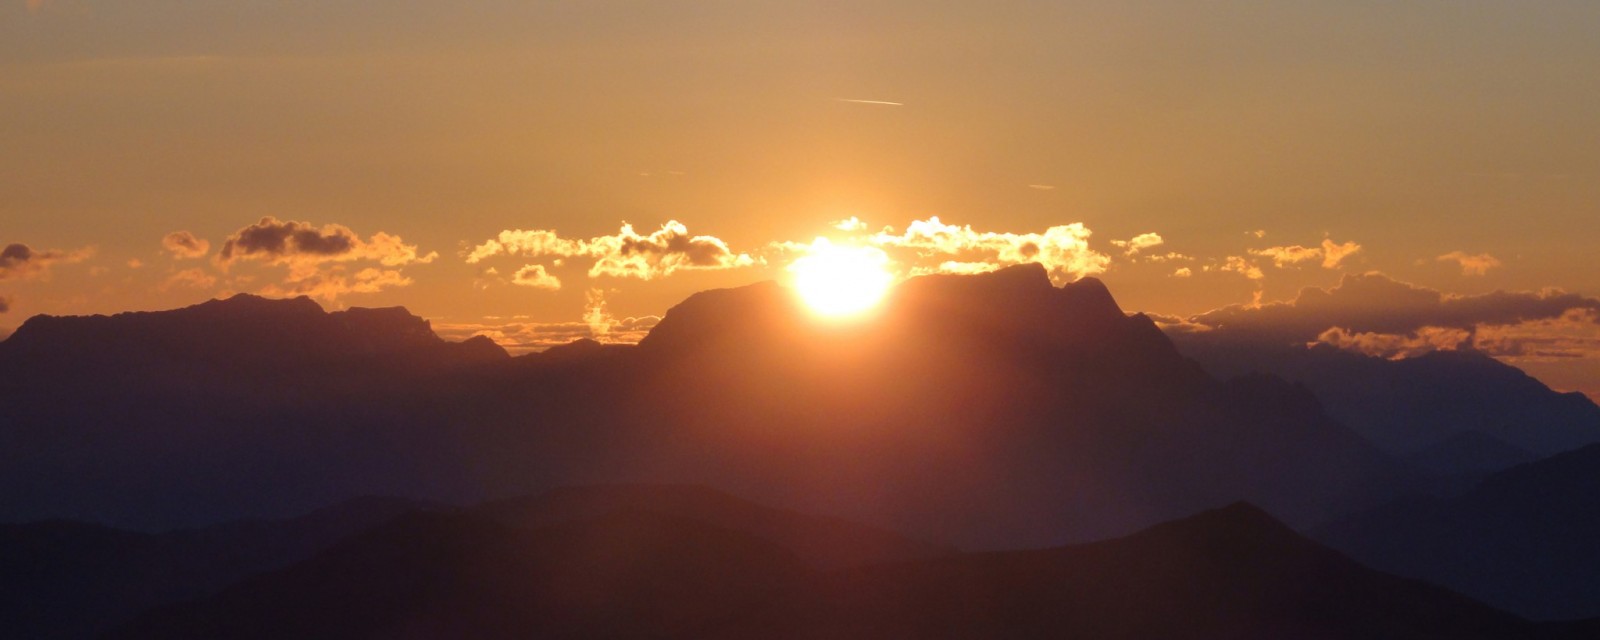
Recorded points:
(818, 541)
(1471, 452)
(1409, 405)
(1522, 540)
(62, 579)
(991, 411)
(630, 574)
(1233, 572)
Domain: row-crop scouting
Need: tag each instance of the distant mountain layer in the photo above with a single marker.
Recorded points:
(1229, 573)
(1523, 540)
(954, 413)
(1414, 404)
(818, 541)
(62, 579)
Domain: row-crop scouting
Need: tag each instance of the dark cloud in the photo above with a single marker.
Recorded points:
(273, 239)
(1375, 303)
(1375, 314)
(5, 304)
(19, 261)
(313, 254)
(183, 244)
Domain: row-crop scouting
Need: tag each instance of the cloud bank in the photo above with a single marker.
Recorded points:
(1375, 314)
(625, 254)
(320, 260)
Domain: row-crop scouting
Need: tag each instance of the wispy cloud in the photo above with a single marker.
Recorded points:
(884, 103)
(1471, 265)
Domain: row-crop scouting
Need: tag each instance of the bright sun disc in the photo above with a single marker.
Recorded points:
(841, 281)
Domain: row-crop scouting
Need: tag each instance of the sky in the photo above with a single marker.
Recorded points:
(541, 170)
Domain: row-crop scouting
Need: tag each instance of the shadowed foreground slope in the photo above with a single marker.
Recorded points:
(1233, 572)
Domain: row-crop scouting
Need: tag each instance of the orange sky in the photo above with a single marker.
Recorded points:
(1457, 144)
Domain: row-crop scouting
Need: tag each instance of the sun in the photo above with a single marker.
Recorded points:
(840, 282)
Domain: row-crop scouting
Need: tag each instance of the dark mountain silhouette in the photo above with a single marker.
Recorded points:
(1470, 452)
(1229, 573)
(62, 579)
(1233, 572)
(991, 410)
(821, 542)
(630, 574)
(1411, 405)
(1524, 539)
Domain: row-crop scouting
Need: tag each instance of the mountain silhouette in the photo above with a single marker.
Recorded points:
(991, 410)
(818, 541)
(1411, 405)
(629, 574)
(62, 579)
(1522, 540)
(1233, 572)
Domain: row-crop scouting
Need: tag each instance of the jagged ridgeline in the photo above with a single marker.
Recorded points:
(988, 410)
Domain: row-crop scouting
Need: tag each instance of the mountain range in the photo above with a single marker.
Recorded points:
(965, 405)
(178, 463)
(1233, 572)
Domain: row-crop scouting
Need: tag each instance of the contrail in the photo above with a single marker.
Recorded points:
(882, 102)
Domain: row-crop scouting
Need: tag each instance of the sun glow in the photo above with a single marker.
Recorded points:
(838, 282)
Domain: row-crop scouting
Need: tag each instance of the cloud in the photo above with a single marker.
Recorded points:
(316, 257)
(522, 337)
(5, 304)
(1242, 266)
(1471, 265)
(22, 262)
(931, 246)
(1139, 243)
(184, 245)
(1395, 345)
(851, 224)
(1376, 314)
(1182, 272)
(1330, 254)
(334, 282)
(535, 276)
(627, 254)
(189, 279)
(289, 241)
(1334, 253)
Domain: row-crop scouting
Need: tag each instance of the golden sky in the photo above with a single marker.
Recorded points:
(1192, 155)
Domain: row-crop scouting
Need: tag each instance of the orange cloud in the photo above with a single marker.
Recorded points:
(1330, 253)
(931, 246)
(1471, 265)
(534, 275)
(627, 254)
(335, 282)
(1139, 243)
(1395, 346)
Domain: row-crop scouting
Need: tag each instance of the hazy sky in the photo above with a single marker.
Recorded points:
(1414, 130)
